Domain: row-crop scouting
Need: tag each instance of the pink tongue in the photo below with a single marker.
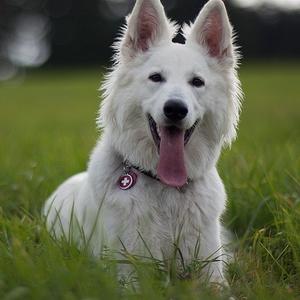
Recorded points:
(171, 168)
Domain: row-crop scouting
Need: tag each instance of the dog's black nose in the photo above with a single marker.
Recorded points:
(175, 110)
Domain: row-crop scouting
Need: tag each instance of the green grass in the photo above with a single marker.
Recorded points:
(47, 130)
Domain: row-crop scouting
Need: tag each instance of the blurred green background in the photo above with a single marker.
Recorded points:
(51, 66)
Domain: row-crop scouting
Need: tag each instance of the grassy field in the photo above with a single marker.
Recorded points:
(47, 129)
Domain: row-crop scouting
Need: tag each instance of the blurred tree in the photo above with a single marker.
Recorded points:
(81, 32)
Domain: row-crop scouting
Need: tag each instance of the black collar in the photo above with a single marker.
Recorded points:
(128, 167)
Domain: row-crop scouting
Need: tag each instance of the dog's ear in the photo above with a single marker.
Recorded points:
(146, 26)
(213, 31)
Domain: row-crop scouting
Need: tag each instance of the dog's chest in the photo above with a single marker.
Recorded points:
(152, 214)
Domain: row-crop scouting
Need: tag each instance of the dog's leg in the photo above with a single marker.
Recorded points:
(212, 251)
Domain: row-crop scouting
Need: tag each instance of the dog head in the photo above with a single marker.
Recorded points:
(169, 108)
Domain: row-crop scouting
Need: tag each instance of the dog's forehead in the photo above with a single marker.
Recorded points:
(178, 56)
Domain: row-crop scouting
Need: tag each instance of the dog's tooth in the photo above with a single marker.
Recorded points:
(158, 131)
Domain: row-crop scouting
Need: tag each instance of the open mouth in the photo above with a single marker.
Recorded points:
(156, 134)
(170, 142)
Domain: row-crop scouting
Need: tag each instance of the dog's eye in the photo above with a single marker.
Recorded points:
(156, 77)
(197, 82)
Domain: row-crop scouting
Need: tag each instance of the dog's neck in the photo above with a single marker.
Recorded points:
(128, 167)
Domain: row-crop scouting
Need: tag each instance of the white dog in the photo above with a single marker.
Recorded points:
(168, 110)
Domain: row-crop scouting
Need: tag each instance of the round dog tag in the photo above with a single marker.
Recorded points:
(127, 181)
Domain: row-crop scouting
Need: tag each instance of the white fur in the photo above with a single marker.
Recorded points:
(162, 215)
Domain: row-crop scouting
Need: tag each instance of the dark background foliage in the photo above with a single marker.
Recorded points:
(64, 32)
